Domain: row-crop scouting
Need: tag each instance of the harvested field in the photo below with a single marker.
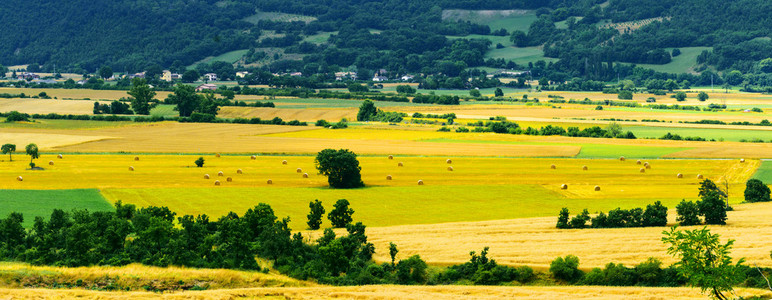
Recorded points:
(45, 141)
(47, 106)
(309, 115)
(77, 94)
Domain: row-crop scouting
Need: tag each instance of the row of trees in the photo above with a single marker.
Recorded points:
(654, 215)
(31, 150)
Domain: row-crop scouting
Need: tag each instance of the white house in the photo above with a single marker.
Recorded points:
(242, 74)
(210, 77)
(169, 76)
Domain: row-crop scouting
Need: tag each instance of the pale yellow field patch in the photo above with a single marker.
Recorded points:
(81, 94)
(310, 114)
(45, 141)
(47, 106)
(536, 241)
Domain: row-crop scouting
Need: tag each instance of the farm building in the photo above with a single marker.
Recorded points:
(242, 74)
(210, 77)
(28, 76)
(206, 87)
(169, 76)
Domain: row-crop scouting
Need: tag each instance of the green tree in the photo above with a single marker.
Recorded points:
(519, 38)
(474, 93)
(208, 104)
(688, 213)
(316, 214)
(703, 260)
(703, 96)
(563, 219)
(655, 215)
(105, 72)
(755, 190)
(32, 151)
(671, 85)
(713, 208)
(141, 96)
(566, 268)
(185, 98)
(405, 89)
(199, 162)
(393, 252)
(341, 168)
(498, 93)
(357, 88)
(366, 111)
(340, 215)
(411, 271)
(680, 96)
(190, 76)
(9, 149)
(625, 95)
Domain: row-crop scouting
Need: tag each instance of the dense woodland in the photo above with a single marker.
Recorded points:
(137, 35)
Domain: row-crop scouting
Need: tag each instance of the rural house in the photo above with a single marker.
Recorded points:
(206, 87)
(28, 76)
(242, 74)
(169, 76)
(210, 77)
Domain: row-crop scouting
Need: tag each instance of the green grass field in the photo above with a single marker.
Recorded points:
(278, 17)
(319, 38)
(34, 203)
(707, 133)
(509, 20)
(519, 55)
(764, 173)
(229, 57)
(165, 110)
(504, 40)
(680, 64)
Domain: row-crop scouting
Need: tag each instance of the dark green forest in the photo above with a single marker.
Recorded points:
(136, 35)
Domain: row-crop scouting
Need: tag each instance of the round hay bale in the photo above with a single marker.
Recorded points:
(388, 177)
(229, 179)
(450, 168)
(253, 157)
(449, 161)
(136, 158)
(637, 162)
(299, 170)
(584, 168)
(563, 186)
(597, 188)
(206, 176)
(553, 167)
(50, 162)
(391, 157)
(305, 175)
(217, 155)
(622, 158)
(19, 178)
(400, 164)
(216, 182)
(220, 173)
(680, 175)
(131, 168)
(646, 164)
(239, 171)
(742, 160)
(420, 182)
(699, 176)
(269, 181)
(59, 156)
(648, 167)
(643, 170)
(283, 162)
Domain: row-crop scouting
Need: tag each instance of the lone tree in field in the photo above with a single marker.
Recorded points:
(341, 168)
(9, 149)
(702, 96)
(315, 216)
(340, 216)
(32, 151)
(141, 95)
(105, 72)
(199, 162)
(755, 190)
(366, 111)
(704, 261)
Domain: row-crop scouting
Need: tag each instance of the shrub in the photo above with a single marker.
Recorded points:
(688, 213)
(563, 219)
(199, 162)
(655, 215)
(322, 123)
(625, 95)
(756, 191)
(340, 216)
(566, 268)
(15, 116)
(411, 271)
(580, 221)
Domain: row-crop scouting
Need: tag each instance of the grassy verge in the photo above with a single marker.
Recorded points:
(40, 203)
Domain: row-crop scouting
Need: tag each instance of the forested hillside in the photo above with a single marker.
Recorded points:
(400, 36)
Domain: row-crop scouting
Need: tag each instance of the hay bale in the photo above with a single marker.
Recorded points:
(253, 157)
(217, 155)
(680, 175)
(305, 175)
(646, 164)
(699, 176)
(299, 170)
(220, 173)
(450, 168)
(131, 168)
(59, 156)
(206, 176)
(648, 167)
(563, 186)
(229, 179)
(643, 170)
(136, 158)
(420, 182)
(597, 188)
(50, 162)
(239, 171)
(391, 157)
(553, 167)
(584, 168)
(269, 181)
(216, 182)
(742, 160)
(400, 164)
(19, 178)
(638, 162)
(449, 161)
(622, 158)
(283, 162)
(388, 177)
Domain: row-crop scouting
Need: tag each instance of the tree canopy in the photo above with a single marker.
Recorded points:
(341, 168)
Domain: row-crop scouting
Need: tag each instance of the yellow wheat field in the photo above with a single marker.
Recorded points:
(397, 292)
(309, 114)
(47, 106)
(78, 94)
(45, 141)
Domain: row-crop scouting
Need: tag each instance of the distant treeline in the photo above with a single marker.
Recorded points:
(194, 118)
